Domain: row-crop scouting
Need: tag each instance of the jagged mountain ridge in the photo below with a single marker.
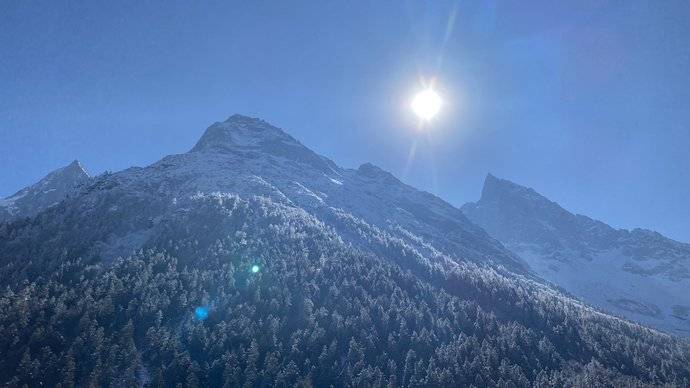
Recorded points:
(249, 157)
(360, 281)
(45, 193)
(637, 273)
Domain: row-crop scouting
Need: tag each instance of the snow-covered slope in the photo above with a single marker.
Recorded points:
(261, 263)
(47, 192)
(638, 274)
(248, 157)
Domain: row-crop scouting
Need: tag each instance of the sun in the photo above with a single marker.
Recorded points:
(426, 104)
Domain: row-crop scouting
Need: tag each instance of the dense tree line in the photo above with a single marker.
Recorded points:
(289, 303)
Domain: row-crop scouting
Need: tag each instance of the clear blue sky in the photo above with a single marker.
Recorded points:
(586, 101)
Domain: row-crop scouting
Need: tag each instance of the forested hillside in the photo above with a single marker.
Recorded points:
(317, 311)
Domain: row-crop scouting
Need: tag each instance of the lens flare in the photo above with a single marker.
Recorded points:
(201, 313)
(255, 268)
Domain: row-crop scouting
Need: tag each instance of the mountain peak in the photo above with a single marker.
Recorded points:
(496, 188)
(51, 189)
(72, 172)
(240, 131)
(239, 119)
(75, 167)
(371, 172)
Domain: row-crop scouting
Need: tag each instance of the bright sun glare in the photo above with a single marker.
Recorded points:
(426, 104)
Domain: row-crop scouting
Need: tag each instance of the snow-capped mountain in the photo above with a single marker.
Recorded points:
(249, 157)
(47, 192)
(252, 261)
(638, 274)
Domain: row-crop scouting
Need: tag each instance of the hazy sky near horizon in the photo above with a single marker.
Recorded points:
(588, 102)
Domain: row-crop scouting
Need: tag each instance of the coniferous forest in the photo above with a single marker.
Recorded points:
(279, 299)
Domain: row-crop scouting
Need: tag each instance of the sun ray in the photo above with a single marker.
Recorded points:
(410, 158)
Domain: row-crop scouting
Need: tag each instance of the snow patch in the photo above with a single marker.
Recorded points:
(304, 190)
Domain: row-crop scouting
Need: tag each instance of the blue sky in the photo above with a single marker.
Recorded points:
(588, 102)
